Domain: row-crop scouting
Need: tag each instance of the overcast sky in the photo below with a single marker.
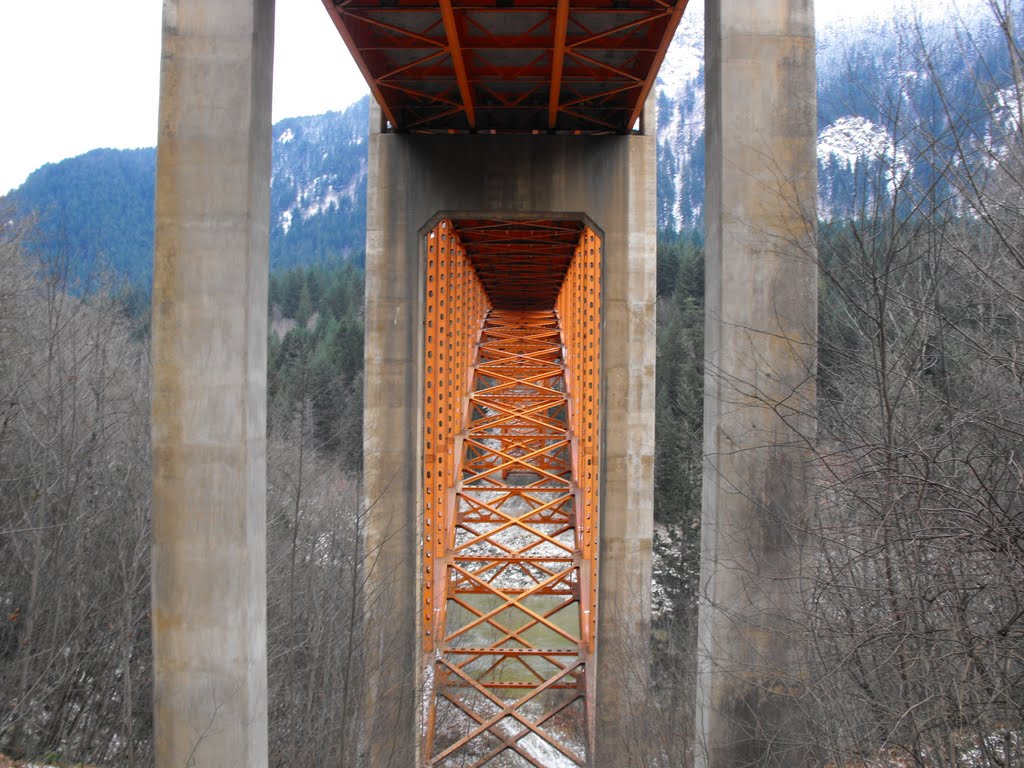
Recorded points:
(77, 76)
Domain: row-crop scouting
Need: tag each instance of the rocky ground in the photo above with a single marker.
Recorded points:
(7, 762)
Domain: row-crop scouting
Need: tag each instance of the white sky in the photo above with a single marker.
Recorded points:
(77, 76)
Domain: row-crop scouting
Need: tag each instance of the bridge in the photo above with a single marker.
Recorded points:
(509, 406)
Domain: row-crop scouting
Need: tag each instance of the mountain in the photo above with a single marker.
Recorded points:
(879, 112)
(889, 88)
(98, 207)
(318, 187)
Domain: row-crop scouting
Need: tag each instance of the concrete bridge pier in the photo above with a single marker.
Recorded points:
(209, 384)
(414, 179)
(760, 348)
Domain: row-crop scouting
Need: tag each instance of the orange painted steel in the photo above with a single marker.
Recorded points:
(510, 516)
(579, 310)
(580, 66)
(521, 263)
(455, 304)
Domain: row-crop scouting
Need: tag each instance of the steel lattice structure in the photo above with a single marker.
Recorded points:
(510, 506)
(582, 66)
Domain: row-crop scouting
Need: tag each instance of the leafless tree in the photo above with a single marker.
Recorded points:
(74, 511)
(917, 615)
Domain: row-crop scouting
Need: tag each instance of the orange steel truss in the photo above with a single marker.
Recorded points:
(579, 308)
(510, 512)
(582, 66)
(455, 306)
(521, 262)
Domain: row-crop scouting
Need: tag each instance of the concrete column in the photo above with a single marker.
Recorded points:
(627, 483)
(392, 419)
(759, 421)
(209, 384)
(609, 180)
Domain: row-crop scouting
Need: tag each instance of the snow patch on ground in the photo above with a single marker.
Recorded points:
(544, 753)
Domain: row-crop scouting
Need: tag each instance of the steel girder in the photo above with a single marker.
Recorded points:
(581, 66)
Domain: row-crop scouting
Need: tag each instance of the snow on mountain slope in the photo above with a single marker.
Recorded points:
(318, 164)
(849, 148)
(684, 60)
(851, 138)
(875, 64)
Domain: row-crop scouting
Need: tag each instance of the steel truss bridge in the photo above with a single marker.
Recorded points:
(511, 436)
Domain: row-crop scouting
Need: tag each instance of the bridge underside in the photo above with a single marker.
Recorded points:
(509, 66)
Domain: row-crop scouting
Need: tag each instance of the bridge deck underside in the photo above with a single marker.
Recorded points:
(509, 512)
(509, 65)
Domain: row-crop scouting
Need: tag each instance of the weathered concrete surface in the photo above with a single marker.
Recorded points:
(761, 293)
(412, 179)
(209, 384)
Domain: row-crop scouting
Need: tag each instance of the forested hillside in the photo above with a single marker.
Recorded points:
(98, 207)
(315, 359)
(318, 187)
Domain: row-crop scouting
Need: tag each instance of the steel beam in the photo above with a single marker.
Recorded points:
(557, 61)
(451, 30)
